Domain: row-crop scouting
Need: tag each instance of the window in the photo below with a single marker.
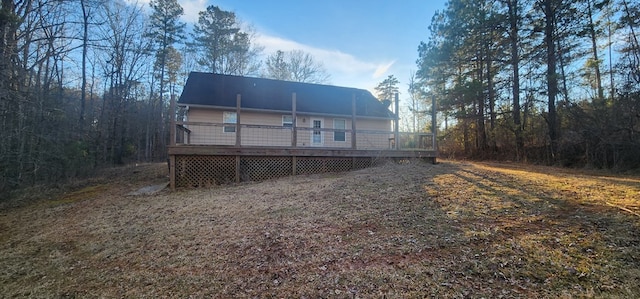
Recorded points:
(339, 124)
(287, 121)
(229, 118)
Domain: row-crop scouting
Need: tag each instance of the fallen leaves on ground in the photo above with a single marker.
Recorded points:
(451, 230)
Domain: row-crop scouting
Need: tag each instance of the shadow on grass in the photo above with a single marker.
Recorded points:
(540, 239)
(632, 181)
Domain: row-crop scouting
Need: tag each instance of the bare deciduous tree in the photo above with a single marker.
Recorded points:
(296, 65)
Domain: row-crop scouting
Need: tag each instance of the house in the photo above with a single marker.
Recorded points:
(235, 128)
(323, 113)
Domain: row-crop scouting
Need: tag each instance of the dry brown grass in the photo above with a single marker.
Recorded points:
(452, 230)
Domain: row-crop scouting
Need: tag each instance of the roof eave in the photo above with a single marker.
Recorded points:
(228, 108)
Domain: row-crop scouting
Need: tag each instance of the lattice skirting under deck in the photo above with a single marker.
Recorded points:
(205, 171)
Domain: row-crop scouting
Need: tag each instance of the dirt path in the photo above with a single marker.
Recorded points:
(450, 230)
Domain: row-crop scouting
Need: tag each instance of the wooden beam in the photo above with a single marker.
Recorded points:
(396, 128)
(238, 136)
(434, 125)
(172, 120)
(237, 169)
(294, 130)
(288, 151)
(353, 121)
(172, 172)
(294, 165)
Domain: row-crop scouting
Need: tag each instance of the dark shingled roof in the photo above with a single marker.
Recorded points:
(259, 93)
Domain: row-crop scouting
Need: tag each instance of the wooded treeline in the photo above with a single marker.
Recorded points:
(86, 84)
(549, 81)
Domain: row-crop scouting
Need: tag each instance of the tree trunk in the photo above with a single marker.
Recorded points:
(552, 76)
(492, 99)
(560, 59)
(85, 41)
(465, 129)
(635, 45)
(610, 48)
(515, 68)
(481, 133)
(594, 49)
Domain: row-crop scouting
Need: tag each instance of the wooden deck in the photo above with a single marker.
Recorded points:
(198, 156)
(219, 150)
(207, 165)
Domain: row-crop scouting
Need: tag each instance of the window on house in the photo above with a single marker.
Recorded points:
(229, 119)
(287, 121)
(339, 124)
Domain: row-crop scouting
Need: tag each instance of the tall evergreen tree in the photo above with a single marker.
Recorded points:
(165, 29)
(514, 18)
(387, 89)
(173, 63)
(218, 36)
(549, 9)
(592, 31)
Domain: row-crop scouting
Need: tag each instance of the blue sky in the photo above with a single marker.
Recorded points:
(359, 42)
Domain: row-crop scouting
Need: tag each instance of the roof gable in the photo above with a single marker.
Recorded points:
(267, 94)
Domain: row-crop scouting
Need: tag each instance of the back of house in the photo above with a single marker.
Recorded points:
(240, 111)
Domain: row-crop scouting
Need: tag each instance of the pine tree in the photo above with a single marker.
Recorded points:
(218, 36)
(387, 89)
(165, 29)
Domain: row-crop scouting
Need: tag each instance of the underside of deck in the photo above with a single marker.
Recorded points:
(206, 165)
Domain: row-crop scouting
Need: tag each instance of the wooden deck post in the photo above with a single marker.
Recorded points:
(172, 142)
(238, 136)
(434, 125)
(396, 132)
(353, 121)
(238, 172)
(172, 172)
(294, 165)
(172, 120)
(294, 130)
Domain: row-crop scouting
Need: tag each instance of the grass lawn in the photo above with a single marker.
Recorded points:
(451, 230)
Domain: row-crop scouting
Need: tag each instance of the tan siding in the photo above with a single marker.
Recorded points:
(264, 136)
(373, 140)
(279, 136)
(208, 134)
(204, 115)
(373, 124)
(257, 118)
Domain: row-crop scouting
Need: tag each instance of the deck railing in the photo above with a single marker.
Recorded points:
(246, 135)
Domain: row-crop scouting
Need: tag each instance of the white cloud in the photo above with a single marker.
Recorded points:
(332, 59)
(191, 9)
(345, 69)
(382, 69)
(137, 2)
